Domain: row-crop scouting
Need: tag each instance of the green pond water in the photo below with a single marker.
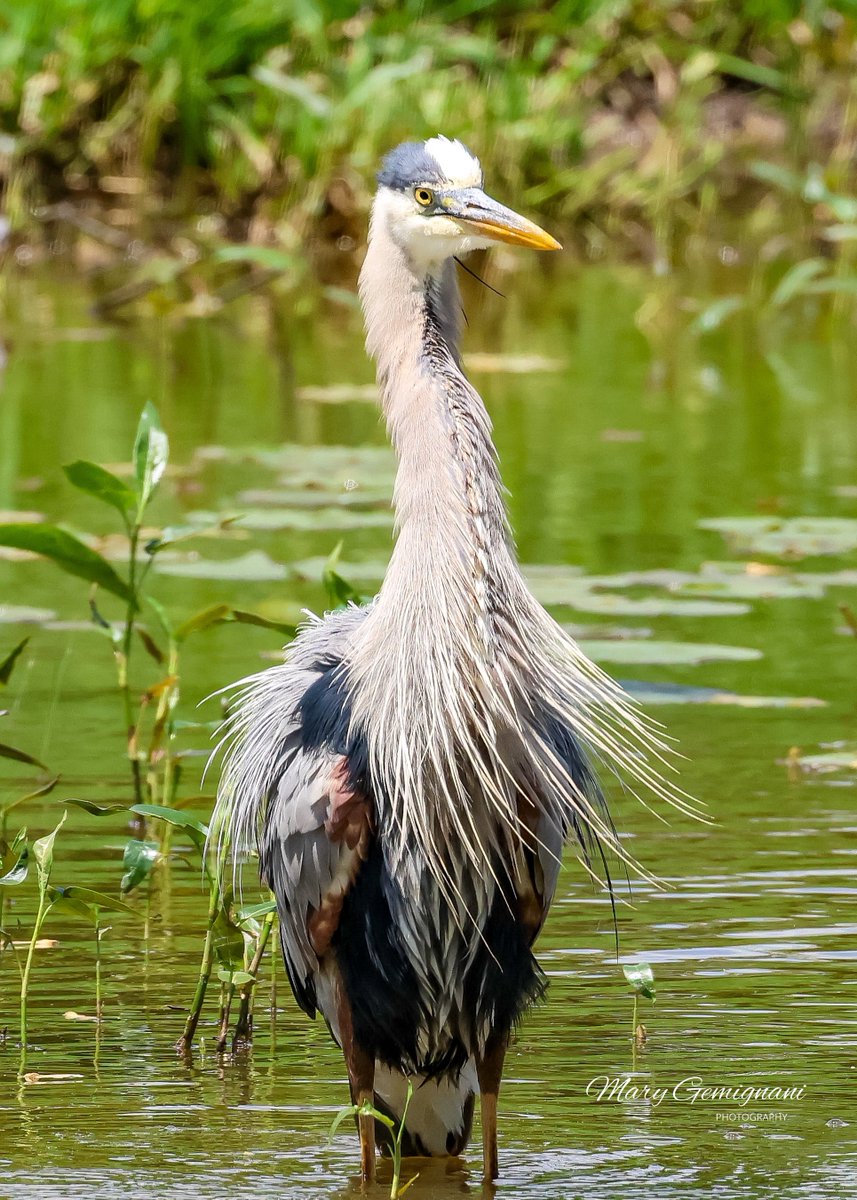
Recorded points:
(623, 435)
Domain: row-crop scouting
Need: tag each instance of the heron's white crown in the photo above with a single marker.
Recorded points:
(458, 166)
(441, 164)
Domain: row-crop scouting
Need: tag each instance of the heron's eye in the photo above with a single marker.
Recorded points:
(423, 196)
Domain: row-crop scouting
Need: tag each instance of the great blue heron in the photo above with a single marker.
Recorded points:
(412, 771)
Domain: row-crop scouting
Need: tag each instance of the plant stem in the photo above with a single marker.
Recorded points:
(184, 1042)
(98, 1005)
(25, 978)
(125, 659)
(244, 1025)
(225, 1009)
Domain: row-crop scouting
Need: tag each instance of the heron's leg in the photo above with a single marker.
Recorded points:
(361, 1078)
(489, 1069)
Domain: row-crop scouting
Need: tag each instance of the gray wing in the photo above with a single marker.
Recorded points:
(287, 789)
(315, 837)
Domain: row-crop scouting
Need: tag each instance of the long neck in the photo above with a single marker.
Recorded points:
(449, 509)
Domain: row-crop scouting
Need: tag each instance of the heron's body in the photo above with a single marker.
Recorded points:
(413, 769)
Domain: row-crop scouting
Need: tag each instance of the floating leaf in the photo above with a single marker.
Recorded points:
(676, 693)
(340, 393)
(7, 664)
(513, 364)
(151, 451)
(795, 537)
(314, 498)
(827, 761)
(103, 485)
(24, 614)
(641, 978)
(256, 567)
(666, 653)
(68, 552)
(138, 859)
(356, 572)
(300, 520)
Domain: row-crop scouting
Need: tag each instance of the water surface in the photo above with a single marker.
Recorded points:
(625, 436)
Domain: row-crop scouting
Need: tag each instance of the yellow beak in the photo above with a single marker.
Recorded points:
(473, 207)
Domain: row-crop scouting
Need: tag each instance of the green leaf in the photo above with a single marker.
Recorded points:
(339, 590)
(89, 903)
(225, 614)
(796, 279)
(162, 615)
(152, 647)
(343, 1115)
(15, 861)
(255, 911)
(42, 790)
(95, 810)
(103, 485)
(20, 756)
(138, 860)
(235, 978)
(641, 978)
(228, 941)
(216, 614)
(8, 663)
(151, 452)
(194, 828)
(43, 852)
(250, 618)
(713, 315)
(264, 256)
(68, 552)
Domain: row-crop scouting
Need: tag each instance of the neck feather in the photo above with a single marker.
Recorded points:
(450, 515)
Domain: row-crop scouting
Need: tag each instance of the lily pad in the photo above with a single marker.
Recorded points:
(795, 537)
(313, 497)
(324, 465)
(340, 393)
(678, 654)
(355, 572)
(512, 364)
(825, 761)
(598, 593)
(676, 693)
(22, 614)
(269, 520)
(255, 567)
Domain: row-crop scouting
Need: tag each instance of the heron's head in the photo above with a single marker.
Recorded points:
(431, 200)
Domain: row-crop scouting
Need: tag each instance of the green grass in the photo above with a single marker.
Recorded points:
(607, 115)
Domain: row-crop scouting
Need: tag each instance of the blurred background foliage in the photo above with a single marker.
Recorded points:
(623, 121)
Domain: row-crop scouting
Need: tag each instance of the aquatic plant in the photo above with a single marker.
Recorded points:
(624, 120)
(641, 978)
(394, 1138)
(235, 940)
